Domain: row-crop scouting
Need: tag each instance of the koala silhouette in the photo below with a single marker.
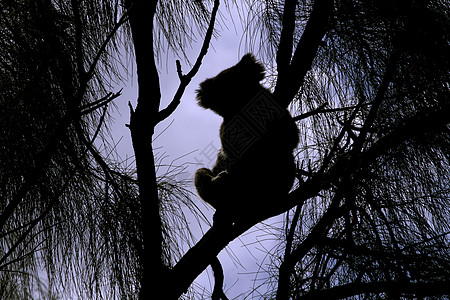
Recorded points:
(255, 167)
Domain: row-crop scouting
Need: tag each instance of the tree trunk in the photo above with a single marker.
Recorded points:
(142, 122)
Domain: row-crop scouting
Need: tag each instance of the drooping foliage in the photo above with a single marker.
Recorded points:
(70, 215)
(379, 89)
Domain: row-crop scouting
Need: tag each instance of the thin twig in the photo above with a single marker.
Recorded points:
(322, 110)
(88, 108)
(122, 20)
(308, 114)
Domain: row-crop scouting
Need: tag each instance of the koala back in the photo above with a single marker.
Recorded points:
(258, 139)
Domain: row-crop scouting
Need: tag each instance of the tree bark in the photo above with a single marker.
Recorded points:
(142, 122)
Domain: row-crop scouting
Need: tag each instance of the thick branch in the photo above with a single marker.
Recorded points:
(201, 256)
(140, 15)
(290, 234)
(288, 85)
(320, 109)
(217, 238)
(284, 52)
(142, 121)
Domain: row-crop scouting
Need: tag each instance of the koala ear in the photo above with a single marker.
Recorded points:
(252, 67)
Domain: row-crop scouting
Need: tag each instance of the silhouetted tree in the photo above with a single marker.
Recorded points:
(69, 211)
(367, 81)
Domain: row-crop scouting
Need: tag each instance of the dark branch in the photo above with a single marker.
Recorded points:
(78, 40)
(321, 110)
(376, 103)
(186, 79)
(288, 85)
(206, 42)
(284, 52)
(179, 72)
(218, 293)
(290, 235)
(316, 111)
(201, 255)
(86, 109)
(142, 121)
(122, 20)
(140, 18)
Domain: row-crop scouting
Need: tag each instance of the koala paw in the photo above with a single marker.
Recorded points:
(221, 178)
(204, 185)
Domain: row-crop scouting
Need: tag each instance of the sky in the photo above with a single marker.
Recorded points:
(190, 136)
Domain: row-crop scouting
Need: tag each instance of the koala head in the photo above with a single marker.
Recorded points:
(232, 88)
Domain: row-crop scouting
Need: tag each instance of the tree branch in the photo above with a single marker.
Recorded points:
(217, 238)
(91, 70)
(186, 79)
(284, 52)
(140, 16)
(78, 40)
(201, 256)
(321, 110)
(218, 293)
(308, 114)
(142, 121)
(88, 108)
(291, 232)
(288, 85)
